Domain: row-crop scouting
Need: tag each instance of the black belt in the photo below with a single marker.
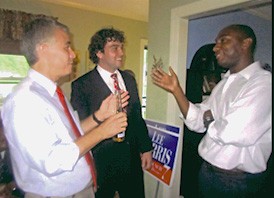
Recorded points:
(225, 171)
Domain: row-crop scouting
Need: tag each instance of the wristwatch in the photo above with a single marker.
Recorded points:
(208, 118)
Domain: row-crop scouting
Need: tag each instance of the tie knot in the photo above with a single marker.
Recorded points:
(114, 76)
(59, 91)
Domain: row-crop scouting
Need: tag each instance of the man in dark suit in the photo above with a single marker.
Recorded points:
(119, 164)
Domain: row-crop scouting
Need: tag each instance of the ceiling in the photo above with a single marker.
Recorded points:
(132, 9)
(125, 8)
(264, 11)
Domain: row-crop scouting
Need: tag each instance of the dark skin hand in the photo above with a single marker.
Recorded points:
(171, 84)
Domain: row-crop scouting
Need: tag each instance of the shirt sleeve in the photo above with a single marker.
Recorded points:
(194, 120)
(40, 137)
(247, 119)
(242, 115)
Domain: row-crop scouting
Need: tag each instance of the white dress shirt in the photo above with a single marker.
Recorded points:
(109, 81)
(44, 156)
(240, 135)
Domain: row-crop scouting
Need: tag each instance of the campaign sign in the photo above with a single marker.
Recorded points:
(165, 139)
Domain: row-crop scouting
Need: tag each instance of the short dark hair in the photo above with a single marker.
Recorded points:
(37, 31)
(246, 32)
(99, 40)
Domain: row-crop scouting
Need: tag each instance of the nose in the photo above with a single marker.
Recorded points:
(72, 54)
(216, 47)
(121, 51)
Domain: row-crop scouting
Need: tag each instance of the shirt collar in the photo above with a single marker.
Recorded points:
(248, 71)
(48, 84)
(106, 74)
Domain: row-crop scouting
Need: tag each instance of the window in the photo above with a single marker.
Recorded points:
(13, 68)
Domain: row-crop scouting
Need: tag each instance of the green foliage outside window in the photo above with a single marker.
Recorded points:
(13, 66)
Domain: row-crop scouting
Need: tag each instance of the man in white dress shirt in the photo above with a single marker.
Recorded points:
(236, 116)
(47, 157)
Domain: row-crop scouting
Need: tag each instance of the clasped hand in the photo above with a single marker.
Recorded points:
(113, 122)
(109, 105)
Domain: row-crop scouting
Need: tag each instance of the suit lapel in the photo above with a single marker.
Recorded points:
(99, 83)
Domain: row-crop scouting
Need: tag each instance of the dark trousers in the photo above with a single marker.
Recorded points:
(215, 182)
(127, 187)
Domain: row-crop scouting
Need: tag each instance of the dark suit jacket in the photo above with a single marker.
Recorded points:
(112, 159)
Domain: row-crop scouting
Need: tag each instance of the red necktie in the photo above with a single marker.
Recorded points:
(77, 133)
(117, 87)
(116, 84)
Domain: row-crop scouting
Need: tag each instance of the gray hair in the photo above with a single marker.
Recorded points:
(38, 31)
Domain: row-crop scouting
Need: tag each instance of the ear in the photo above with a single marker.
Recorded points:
(99, 54)
(41, 51)
(40, 48)
(247, 43)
